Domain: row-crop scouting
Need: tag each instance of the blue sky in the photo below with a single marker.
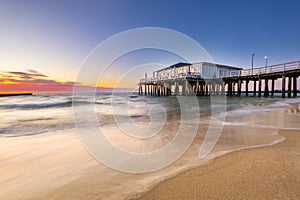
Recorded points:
(55, 36)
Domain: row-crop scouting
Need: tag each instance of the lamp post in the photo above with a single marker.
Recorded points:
(266, 62)
(253, 54)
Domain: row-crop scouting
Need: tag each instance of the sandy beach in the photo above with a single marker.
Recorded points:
(271, 172)
(38, 168)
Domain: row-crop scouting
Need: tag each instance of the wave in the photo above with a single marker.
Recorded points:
(27, 128)
(40, 105)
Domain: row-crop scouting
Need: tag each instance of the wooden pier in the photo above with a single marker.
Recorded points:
(229, 84)
(13, 94)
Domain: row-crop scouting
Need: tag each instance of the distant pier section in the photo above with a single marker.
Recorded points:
(205, 79)
(14, 94)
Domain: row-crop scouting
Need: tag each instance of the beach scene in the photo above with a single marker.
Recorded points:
(145, 100)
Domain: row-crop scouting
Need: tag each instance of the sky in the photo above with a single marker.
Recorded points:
(53, 38)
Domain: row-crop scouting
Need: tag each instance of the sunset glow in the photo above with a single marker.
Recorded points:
(31, 81)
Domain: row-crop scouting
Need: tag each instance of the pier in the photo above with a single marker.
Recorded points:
(13, 94)
(205, 79)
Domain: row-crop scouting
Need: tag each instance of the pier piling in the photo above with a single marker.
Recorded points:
(273, 87)
(295, 86)
(259, 88)
(254, 88)
(290, 87)
(283, 86)
(266, 92)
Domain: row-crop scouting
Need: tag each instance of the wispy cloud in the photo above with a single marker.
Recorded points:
(31, 81)
(36, 82)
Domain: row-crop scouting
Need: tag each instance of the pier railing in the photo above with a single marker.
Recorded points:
(284, 67)
(265, 70)
(163, 78)
(271, 69)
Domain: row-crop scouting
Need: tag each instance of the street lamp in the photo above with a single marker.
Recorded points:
(266, 62)
(253, 54)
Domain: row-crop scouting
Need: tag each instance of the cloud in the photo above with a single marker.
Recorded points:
(31, 81)
(36, 82)
(30, 74)
(36, 73)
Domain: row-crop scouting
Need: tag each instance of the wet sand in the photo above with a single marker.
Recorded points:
(56, 166)
(271, 172)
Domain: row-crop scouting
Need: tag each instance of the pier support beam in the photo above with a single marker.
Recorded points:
(228, 89)
(266, 92)
(239, 87)
(254, 88)
(197, 88)
(247, 82)
(232, 89)
(165, 90)
(158, 90)
(176, 88)
(230, 86)
(210, 86)
(191, 88)
(259, 88)
(295, 86)
(187, 88)
(168, 90)
(212, 89)
(222, 88)
(183, 89)
(273, 86)
(206, 89)
(283, 86)
(289, 86)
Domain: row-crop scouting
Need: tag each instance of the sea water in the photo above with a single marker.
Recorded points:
(248, 122)
(41, 113)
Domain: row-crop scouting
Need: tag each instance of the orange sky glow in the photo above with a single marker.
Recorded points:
(32, 81)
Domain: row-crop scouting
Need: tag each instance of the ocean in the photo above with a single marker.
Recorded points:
(39, 136)
(41, 113)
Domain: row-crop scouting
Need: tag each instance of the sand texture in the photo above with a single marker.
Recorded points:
(271, 172)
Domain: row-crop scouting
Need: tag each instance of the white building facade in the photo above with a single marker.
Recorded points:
(203, 70)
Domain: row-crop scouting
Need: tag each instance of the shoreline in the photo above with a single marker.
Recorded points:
(182, 185)
(65, 178)
(56, 165)
(68, 184)
(141, 195)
